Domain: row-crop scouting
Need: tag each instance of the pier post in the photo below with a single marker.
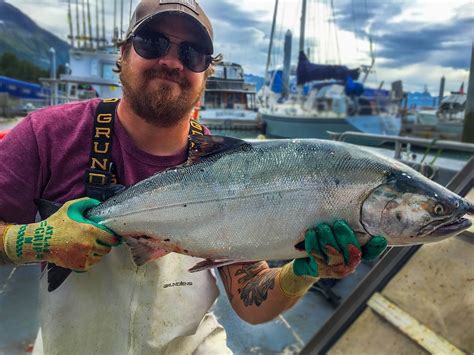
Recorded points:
(468, 131)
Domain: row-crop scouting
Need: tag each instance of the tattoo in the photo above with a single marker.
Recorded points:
(256, 279)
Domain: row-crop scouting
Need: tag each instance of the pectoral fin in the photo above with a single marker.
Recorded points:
(209, 264)
(144, 249)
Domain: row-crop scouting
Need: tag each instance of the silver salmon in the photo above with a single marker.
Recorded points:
(235, 201)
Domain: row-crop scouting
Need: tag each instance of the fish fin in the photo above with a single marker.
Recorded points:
(46, 208)
(206, 146)
(142, 251)
(56, 276)
(209, 264)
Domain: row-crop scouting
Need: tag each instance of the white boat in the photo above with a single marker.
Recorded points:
(315, 99)
(229, 102)
(446, 122)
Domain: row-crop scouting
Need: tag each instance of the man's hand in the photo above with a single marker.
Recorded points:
(66, 239)
(332, 253)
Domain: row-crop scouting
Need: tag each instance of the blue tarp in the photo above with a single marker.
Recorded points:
(20, 89)
(307, 71)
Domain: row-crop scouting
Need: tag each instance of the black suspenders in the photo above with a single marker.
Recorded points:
(100, 178)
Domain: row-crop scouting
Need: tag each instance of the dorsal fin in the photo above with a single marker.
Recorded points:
(206, 146)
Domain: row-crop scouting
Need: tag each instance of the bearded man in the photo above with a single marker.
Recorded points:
(79, 149)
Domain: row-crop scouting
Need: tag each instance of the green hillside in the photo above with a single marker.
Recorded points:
(23, 37)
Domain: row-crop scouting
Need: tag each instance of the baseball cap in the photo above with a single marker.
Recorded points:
(148, 10)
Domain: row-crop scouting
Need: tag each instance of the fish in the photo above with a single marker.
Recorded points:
(236, 201)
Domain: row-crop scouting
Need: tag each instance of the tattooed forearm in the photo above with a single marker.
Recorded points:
(256, 279)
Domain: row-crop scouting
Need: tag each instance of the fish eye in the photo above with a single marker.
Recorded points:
(438, 209)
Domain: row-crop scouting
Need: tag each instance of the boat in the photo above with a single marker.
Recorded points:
(314, 99)
(228, 101)
(444, 123)
(92, 60)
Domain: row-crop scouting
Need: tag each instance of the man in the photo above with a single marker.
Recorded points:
(115, 307)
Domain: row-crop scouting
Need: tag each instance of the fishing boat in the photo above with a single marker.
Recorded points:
(444, 123)
(228, 101)
(92, 57)
(313, 99)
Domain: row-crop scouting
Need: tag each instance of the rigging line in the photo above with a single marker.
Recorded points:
(130, 12)
(335, 32)
(355, 25)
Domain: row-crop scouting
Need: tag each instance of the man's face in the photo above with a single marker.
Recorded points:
(162, 91)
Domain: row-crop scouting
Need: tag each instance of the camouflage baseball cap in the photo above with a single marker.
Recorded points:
(147, 10)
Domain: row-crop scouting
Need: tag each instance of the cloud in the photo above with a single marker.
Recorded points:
(416, 40)
(404, 36)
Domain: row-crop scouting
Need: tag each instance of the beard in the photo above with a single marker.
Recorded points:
(157, 104)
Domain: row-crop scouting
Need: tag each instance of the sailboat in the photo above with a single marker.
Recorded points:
(325, 98)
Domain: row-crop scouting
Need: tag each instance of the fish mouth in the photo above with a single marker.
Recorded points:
(451, 228)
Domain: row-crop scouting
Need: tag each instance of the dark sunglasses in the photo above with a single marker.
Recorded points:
(152, 45)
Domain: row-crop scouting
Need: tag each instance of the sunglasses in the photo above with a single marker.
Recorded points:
(152, 45)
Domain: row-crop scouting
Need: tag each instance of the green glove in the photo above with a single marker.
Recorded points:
(325, 245)
(374, 248)
(66, 239)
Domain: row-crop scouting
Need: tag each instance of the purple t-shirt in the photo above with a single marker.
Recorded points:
(47, 153)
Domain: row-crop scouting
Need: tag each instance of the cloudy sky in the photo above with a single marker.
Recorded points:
(416, 41)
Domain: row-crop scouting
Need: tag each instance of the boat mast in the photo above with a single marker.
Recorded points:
(78, 25)
(69, 18)
(372, 56)
(84, 23)
(468, 129)
(303, 25)
(89, 24)
(97, 31)
(271, 39)
(121, 19)
(104, 41)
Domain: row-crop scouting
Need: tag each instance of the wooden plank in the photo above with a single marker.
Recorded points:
(410, 326)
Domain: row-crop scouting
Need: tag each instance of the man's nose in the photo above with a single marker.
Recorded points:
(171, 58)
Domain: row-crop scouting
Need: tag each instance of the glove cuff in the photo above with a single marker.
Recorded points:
(4, 259)
(22, 245)
(293, 285)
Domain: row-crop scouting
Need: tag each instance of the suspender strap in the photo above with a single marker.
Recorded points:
(99, 176)
(195, 128)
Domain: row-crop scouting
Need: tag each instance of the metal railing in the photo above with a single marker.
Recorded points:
(399, 141)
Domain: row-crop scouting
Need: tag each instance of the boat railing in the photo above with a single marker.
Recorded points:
(400, 141)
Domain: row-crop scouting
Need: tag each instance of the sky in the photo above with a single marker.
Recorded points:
(416, 41)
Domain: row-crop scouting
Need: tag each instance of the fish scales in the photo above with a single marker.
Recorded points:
(255, 199)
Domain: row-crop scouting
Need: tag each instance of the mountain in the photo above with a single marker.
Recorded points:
(23, 37)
